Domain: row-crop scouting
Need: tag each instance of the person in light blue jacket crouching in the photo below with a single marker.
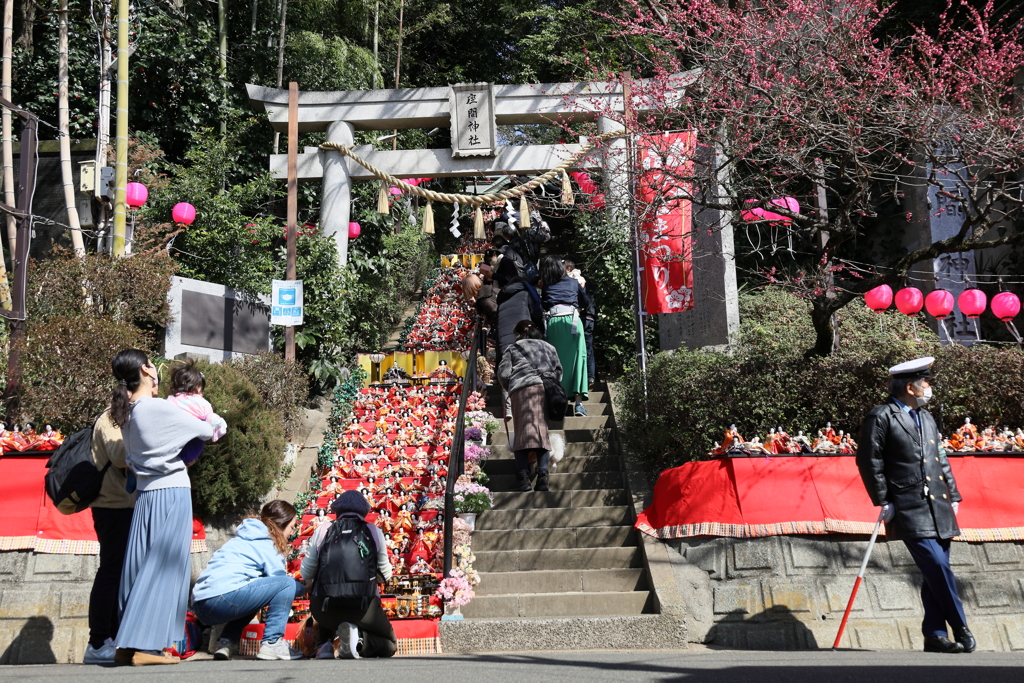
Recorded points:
(247, 574)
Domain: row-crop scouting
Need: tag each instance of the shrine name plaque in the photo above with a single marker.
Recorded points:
(474, 132)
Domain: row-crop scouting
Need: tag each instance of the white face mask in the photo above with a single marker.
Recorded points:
(921, 400)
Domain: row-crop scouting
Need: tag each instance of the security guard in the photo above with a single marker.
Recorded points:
(905, 475)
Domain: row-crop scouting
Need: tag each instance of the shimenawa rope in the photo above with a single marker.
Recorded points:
(468, 199)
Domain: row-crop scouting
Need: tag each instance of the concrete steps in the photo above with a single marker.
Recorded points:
(570, 553)
(558, 605)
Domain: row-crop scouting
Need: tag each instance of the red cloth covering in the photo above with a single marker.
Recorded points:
(750, 497)
(31, 522)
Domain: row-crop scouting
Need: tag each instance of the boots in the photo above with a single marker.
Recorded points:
(542, 481)
(523, 481)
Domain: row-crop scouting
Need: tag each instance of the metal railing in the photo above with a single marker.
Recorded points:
(457, 459)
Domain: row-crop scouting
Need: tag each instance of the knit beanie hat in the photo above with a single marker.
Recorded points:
(350, 501)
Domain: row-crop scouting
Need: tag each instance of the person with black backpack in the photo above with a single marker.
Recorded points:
(112, 519)
(344, 559)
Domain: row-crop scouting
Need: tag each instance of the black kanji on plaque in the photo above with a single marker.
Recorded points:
(473, 126)
(471, 98)
(471, 113)
(474, 140)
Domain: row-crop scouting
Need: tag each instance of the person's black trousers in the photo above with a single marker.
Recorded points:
(112, 526)
(938, 591)
(378, 637)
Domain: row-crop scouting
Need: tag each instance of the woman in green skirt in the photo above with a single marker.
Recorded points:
(562, 299)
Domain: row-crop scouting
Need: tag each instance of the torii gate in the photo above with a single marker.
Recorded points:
(472, 111)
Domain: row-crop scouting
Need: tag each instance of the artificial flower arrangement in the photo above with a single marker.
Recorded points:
(483, 420)
(456, 590)
(476, 402)
(462, 535)
(472, 498)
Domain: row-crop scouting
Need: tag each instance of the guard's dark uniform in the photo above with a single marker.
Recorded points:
(899, 461)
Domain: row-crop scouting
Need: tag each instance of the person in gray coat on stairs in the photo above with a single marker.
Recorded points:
(519, 373)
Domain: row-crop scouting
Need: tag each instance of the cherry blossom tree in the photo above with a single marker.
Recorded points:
(809, 99)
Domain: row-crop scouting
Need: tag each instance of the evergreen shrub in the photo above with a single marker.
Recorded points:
(284, 385)
(693, 396)
(234, 474)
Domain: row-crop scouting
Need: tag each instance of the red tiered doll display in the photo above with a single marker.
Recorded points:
(394, 450)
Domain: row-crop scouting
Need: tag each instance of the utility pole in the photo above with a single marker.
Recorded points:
(103, 129)
(376, 34)
(280, 61)
(63, 124)
(398, 61)
(121, 147)
(293, 202)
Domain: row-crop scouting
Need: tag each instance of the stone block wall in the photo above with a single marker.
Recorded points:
(44, 602)
(789, 592)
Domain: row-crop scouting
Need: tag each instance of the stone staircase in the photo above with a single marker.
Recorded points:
(564, 561)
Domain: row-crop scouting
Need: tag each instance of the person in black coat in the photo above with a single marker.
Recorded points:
(904, 474)
(517, 301)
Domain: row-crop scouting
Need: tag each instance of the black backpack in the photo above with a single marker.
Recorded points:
(72, 480)
(347, 566)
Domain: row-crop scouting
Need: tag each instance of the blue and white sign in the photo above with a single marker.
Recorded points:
(286, 303)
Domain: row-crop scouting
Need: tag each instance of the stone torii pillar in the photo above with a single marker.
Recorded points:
(336, 198)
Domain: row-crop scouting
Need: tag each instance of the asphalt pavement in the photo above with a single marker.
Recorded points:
(696, 664)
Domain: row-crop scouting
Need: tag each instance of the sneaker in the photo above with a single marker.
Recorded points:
(101, 655)
(279, 649)
(580, 410)
(348, 634)
(226, 649)
(326, 651)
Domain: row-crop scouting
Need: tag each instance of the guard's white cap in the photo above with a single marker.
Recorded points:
(913, 369)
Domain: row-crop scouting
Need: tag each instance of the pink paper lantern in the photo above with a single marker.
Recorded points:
(939, 303)
(762, 214)
(1005, 306)
(879, 298)
(972, 302)
(135, 195)
(183, 213)
(354, 230)
(909, 301)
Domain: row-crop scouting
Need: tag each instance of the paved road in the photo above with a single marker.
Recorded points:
(689, 666)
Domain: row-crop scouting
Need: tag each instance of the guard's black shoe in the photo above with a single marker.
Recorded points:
(965, 638)
(942, 644)
(542, 482)
(522, 481)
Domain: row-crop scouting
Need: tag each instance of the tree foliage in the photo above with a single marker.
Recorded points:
(236, 472)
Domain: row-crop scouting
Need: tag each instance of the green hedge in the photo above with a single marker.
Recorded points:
(694, 395)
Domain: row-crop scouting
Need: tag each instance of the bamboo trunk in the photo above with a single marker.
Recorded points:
(63, 117)
(121, 146)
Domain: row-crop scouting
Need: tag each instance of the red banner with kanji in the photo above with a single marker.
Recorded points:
(666, 161)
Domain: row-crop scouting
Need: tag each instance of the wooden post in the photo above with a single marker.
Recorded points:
(293, 201)
(19, 259)
(638, 299)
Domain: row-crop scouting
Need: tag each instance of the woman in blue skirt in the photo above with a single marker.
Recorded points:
(155, 579)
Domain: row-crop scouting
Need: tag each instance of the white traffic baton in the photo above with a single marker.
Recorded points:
(860, 577)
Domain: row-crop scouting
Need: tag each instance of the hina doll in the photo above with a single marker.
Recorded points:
(421, 567)
(333, 487)
(314, 524)
(403, 520)
(14, 441)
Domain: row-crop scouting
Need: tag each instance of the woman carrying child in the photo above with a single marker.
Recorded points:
(153, 595)
(248, 573)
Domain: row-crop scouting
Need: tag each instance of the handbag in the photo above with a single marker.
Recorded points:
(554, 393)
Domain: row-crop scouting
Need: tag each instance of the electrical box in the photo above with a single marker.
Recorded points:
(87, 176)
(85, 218)
(106, 188)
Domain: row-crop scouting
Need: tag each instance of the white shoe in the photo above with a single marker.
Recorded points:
(348, 634)
(102, 655)
(225, 649)
(278, 650)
